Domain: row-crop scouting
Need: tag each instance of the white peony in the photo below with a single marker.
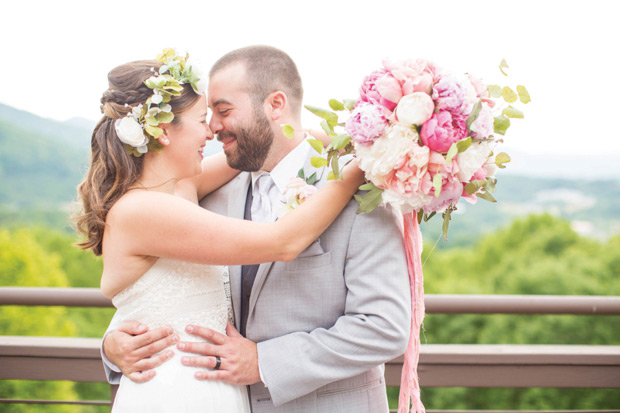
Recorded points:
(130, 132)
(386, 153)
(472, 159)
(415, 109)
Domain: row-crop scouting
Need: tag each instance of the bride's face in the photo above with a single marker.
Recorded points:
(188, 137)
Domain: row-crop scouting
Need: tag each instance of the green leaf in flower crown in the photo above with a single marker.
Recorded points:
(152, 121)
(336, 104)
(154, 131)
(524, 96)
(503, 65)
(512, 112)
(494, 91)
(340, 141)
(451, 152)
(316, 144)
(501, 159)
(330, 117)
(473, 186)
(288, 131)
(437, 184)
(473, 115)
(509, 95)
(501, 124)
(349, 104)
(369, 201)
(486, 196)
(318, 162)
(165, 117)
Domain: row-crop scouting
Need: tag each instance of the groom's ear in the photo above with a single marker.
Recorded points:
(275, 105)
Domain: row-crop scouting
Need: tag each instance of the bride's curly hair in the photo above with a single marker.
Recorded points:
(112, 170)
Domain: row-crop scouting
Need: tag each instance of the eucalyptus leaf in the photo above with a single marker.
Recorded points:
(429, 216)
(509, 95)
(311, 179)
(503, 65)
(330, 117)
(501, 124)
(154, 131)
(490, 185)
(330, 176)
(368, 186)
(474, 114)
(316, 144)
(336, 104)
(288, 131)
(369, 201)
(446, 223)
(486, 196)
(165, 117)
(501, 159)
(524, 96)
(349, 104)
(451, 152)
(494, 91)
(301, 174)
(473, 186)
(512, 113)
(336, 167)
(463, 144)
(318, 162)
(340, 141)
(327, 128)
(437, 184)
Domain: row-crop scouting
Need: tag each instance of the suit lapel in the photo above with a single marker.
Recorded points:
(236, 207)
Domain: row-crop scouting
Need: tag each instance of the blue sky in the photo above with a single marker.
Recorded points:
(57, 55)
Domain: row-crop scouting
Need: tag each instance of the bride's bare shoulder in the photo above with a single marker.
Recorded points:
(141, 204)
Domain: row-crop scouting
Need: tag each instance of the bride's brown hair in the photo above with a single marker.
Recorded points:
(112, 170)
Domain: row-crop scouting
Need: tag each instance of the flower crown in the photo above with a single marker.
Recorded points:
(139, 130)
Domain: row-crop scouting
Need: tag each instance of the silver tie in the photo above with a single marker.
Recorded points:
(261, 202)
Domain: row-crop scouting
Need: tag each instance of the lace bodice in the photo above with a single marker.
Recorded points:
(177, 293)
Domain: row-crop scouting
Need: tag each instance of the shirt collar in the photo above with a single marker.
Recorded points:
(288, 167)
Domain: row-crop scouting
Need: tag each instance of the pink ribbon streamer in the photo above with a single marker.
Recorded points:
(409, 396)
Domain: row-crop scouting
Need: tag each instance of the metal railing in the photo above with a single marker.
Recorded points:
(441, 365)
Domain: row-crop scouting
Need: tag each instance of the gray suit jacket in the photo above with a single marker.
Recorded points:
(327, 321)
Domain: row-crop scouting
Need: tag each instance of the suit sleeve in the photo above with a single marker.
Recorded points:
(112, 372)
(373, 329)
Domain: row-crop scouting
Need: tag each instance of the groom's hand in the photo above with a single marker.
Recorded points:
(132, 348)
(238, 355)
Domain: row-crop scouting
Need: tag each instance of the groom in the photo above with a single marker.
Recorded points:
(314, 332)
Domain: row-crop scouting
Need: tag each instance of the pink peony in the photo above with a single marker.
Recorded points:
(451, 189)
(414, 109)
(481, 90)
(367, 122)
(413, 75)
(482, 127)
(452, 95)
(442, 130)
(381, 88)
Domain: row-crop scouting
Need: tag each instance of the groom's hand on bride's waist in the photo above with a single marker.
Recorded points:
(238, 357)
(133, 349)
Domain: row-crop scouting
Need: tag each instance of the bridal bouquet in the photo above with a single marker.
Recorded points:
(425, 139)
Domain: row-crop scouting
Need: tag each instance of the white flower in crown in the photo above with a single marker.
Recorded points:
(129, 131)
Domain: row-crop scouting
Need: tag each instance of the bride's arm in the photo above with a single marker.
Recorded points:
(215, 173)
(181, 230)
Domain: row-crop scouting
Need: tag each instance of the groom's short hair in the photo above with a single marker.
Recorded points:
(267, 70)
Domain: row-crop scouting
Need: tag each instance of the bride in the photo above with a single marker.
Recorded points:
(162, 253)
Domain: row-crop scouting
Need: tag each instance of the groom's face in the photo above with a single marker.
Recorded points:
(242, 127)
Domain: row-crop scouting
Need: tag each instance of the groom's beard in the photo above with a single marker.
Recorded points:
(252, 144)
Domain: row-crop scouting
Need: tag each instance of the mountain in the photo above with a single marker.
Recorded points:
(42, 161)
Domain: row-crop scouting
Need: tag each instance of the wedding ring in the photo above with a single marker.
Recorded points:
(218, 363)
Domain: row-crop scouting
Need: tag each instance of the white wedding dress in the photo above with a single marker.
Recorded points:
(178, 293)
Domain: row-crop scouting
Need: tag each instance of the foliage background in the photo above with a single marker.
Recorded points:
(545, 236)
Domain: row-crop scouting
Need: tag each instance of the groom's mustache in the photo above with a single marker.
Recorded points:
(224, 135)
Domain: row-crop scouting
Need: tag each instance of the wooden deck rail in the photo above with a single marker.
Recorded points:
(441, 365)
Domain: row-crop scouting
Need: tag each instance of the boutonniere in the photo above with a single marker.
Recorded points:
(297, 191)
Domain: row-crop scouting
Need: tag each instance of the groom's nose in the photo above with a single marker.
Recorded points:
(215, 125)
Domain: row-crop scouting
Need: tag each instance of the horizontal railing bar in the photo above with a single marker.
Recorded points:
(435, 303)
(72, 402)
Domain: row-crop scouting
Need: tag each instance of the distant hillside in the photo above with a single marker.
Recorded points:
(42, 161)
